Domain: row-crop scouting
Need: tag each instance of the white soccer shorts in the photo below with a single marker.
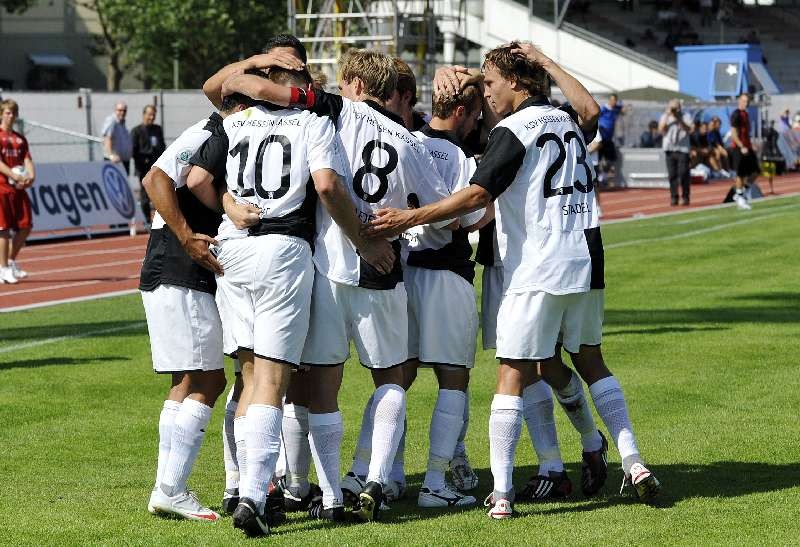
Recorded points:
(491, 294)
(185, 329)
(265, 294)
(376, 321)
(529, 323)
(442, 317)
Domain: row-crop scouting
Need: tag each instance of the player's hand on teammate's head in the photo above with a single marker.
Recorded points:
(379, 254)
(243, 215)
(276, 58)
(389, 223)
(531, 52)
(197, 248)
(446, 80)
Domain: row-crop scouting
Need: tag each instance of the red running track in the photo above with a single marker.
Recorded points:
(84, 269)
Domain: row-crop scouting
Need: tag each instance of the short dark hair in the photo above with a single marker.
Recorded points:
(444, 105)
(229, 102)
(406, 81)
(148, 107)
(518, 68)
(287, 40)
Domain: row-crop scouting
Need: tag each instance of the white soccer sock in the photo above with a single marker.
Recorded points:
(610, 404)
(573, 401)
(263, 446)
(389, 415)
(229, 443)
(398, 472)
(461, 449)
(448, 417)
(165, 423)
(240, 434)
(505, 425)
(360, 465)
(298, 452)
(187, 436)
(326, 446)
(537, 407)
(280, 464)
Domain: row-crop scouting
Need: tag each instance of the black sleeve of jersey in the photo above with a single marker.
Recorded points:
(212, 155)
(736, 119)
(588, 134)
(501, 161)
(327, 104)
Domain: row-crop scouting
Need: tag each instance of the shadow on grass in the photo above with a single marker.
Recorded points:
(728, 314)
(723, 479)
(659, 330)
(36, 363)
(97, 328)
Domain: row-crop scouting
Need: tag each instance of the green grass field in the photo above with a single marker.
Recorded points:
(702, 329)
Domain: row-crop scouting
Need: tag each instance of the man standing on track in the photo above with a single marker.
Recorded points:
(743, 153)
(16, 175)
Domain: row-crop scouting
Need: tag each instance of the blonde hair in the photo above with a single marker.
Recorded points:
(11, 105)
(376, 70)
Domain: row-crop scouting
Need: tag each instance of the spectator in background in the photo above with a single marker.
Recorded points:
(786, 120)
(148, 145)
(675, 126)
(716, 145)
(117, 144)
(747, 167)
(651, 138)
(16, 175)
(606, 124)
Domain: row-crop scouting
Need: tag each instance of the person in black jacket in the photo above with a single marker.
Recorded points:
(148, 145)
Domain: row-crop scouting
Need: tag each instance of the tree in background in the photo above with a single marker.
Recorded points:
(16, 6)
(147, 37)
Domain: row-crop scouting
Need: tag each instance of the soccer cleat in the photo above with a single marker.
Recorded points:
(369, 502)
(594, 469)
(741, 202)
(7, 276)
(444, 497)
(156, 496)
(351, 485)
(293, 504)
(320, 512)
(184, 505)
(18, 272)
(498, 509)
(230, 499)
(644, 483)
(462, 474)
(247, 519)
(555, 486)
(393, 491)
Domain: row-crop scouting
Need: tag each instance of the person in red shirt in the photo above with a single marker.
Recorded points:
(15, 205)
(747, 167)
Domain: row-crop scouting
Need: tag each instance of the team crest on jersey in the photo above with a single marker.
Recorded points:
(184, 156)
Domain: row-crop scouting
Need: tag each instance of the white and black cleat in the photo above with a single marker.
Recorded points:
(444, 497)
(230, 500)
(352, 485)
(248, 519)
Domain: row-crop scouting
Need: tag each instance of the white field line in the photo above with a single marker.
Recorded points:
(82, 254)
(63, 286)
(56, 339)
(692, 233)
(103, 265)
(69, 300)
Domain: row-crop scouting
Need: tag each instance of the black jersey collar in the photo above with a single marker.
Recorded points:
(214, 121)
(536, 100)
(391, 115)
(441, 134)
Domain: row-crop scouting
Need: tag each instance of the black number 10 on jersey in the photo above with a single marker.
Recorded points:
(243, 149)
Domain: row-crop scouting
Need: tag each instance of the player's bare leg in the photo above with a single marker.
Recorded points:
(446, 425)
(609, 401)
(6, 275)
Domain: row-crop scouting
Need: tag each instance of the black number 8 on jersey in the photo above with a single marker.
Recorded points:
(381, 172)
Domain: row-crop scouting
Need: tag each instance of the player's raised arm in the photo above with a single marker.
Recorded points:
(212, 88)
(581, 100)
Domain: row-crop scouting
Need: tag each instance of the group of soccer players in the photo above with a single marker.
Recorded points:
(347, 219)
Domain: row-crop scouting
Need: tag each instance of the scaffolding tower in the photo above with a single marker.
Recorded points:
(421, 32)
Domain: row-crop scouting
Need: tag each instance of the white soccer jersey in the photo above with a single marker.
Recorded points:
(537, 168)
(272, 153)
(389, 167)
(175, 159)
(436, 248)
